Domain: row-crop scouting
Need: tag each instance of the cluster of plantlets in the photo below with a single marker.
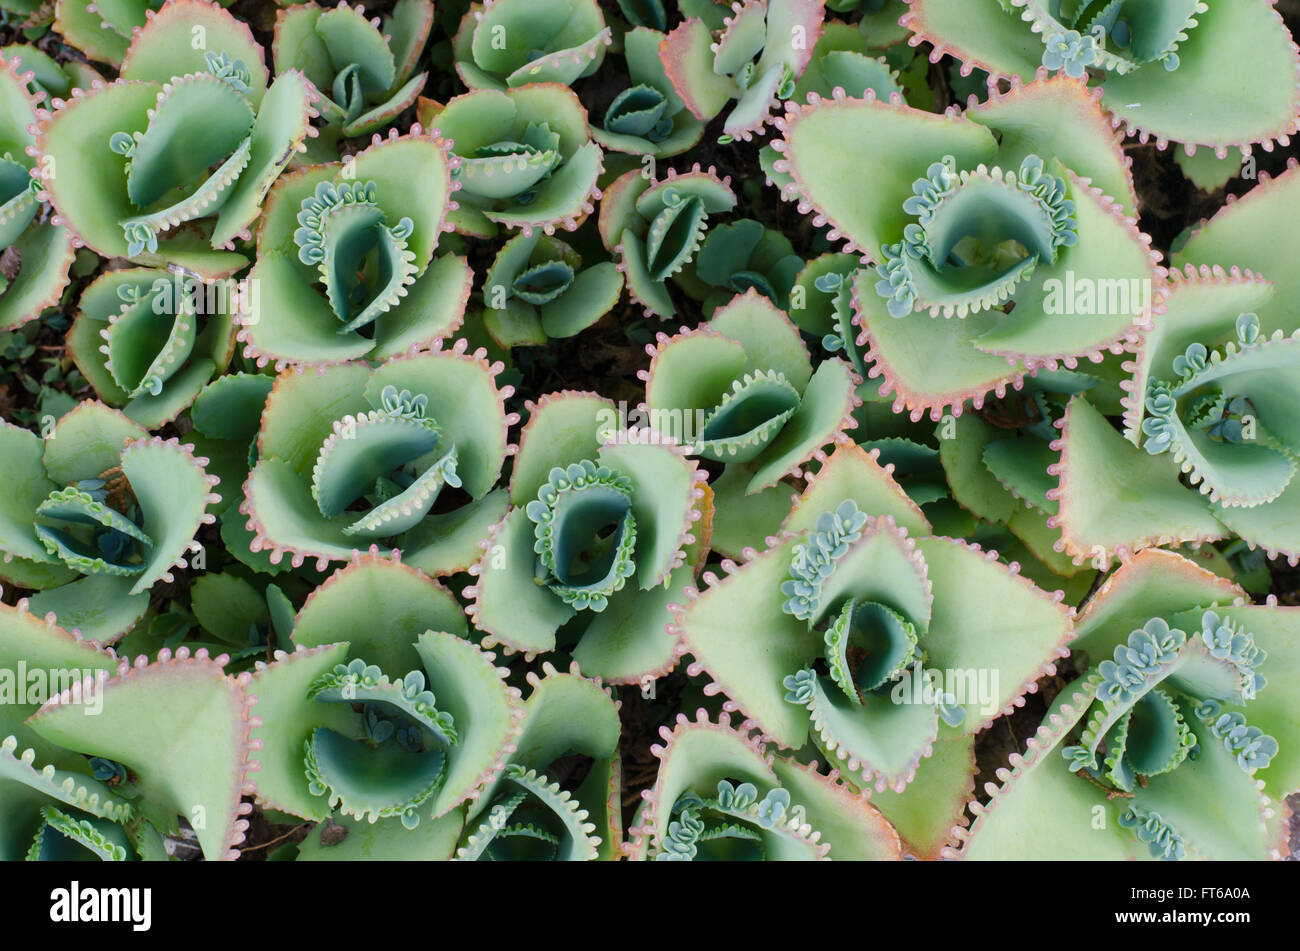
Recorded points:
(961, 436)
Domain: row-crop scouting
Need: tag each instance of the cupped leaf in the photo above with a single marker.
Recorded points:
(182, 727)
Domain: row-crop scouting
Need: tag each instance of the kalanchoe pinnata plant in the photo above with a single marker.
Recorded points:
(170, 163)
(656, 228)
(35, 252)
(99, 513)
(941, 458)
(720, 796)
(997, 257)
(881, 645)
(363, 69)
(742, 391)
(556, 799)
(386, 754)
(761, 51)
(526, 158)
(141, 743)
(1178, 730)
(608, 527)
(537, 289)
(1209, 400)
(98, 759)
(1240, 267)
(349, 457)
(346, 264)
(1234, 63)
(149, 341)
(648, 117)
(1233, 482)
(443, 726)
(502, 44)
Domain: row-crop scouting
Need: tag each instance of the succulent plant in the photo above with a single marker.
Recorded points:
(208, 102)
(1149, 61)
(35, 252)
(149, 341)
(657, 227)
(106, 767)
(502, 44)
(556, 797)
(346, 264)
(526, 158)
(363, 69)
(1154, 751)
(875, 637)
(100, 513)
(742, 391)
(720, 796)
(648, 117)
(1063, 247)
(445, 760)
(761, 50)
(742, 254)
(607, 527)
(537, 289)
(391, 440)
(352, 513)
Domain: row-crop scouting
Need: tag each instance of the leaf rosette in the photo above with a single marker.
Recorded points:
(863, 635)
(527, 160)
(647, 117)
(108, 763)
(742, 254)
(363, 69)
(1170, 731)
(656, 228)
(1211, 390)
(1149, 60)
(1038, 265)
(557, 797)
(1233, 264)
(720, 796)
(608, 528)
(148, 340)
(387, 751)
(503, 44)
(169, 164)
(36, 252)
(140, 744)
(403, 456)
(345, 258)
(741, 390)
(93, 525)
(537, 289)
(756, 57)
